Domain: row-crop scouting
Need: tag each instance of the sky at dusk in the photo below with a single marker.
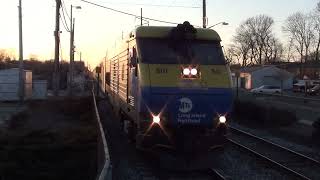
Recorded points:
(97, 29)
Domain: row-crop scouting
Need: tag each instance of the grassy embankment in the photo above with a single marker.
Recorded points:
(50, 140)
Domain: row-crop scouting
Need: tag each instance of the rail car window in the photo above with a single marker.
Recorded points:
(158, 51)
(108, 78)
(122, 72)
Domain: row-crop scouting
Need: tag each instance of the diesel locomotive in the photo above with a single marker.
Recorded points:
(171, 88)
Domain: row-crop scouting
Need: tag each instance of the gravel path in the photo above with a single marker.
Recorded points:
(126, 161)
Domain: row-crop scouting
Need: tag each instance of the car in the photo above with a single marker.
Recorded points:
(298, 87)
(315, 90)
(266, 89)
(301, 87)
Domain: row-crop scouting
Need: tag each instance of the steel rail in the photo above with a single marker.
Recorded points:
(276, 145)
(216, 174)
(298, 163)
(288, 170)
(287, 96)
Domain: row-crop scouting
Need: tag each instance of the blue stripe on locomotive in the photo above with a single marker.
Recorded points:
(187, 106)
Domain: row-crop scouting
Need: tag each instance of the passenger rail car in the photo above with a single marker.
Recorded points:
(171, 88)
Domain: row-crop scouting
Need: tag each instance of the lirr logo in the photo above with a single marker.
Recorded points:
(185, 105)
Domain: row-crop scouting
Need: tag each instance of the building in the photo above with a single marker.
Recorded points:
(39, 89)
(9, 84)
(310, 69)
(253, 77)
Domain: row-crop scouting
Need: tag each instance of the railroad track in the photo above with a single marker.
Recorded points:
(293, 163)
(216, 174)
(147, 173)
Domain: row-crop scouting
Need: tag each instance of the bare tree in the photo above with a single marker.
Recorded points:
(309, 35)
(289, 51)
(242, 45)
(316, 21)
(255, 41)
(33, 57)
(262, 28)
(273, 50)
(278, 50)
(6, 55)
(2, 55)
(299, 27)
(233, 54)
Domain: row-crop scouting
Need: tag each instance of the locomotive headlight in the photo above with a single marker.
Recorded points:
(186, 71)
(194, 71)
(222, 119)
(156, 119)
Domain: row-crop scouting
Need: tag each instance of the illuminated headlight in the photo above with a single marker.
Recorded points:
(156, 119)
(194, 71)
(186, 71)
(222, 119)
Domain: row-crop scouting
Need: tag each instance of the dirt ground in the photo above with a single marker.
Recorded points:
(54, 139)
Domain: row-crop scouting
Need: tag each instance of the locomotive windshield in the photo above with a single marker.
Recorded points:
(158, 51)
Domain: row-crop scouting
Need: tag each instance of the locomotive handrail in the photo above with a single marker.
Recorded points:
(112, 59)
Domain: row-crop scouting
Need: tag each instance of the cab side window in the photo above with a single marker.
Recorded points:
(133, 58)
(134, 61)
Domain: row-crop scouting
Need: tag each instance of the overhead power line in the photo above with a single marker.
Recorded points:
(130, 14)
(64, 22)
(65, 26)
(64, 8)
(154, 5)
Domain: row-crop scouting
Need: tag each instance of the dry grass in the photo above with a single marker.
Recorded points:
(50, 140)
(257, 115)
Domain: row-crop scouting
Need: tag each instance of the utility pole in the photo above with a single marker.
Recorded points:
(72, 56)
(204, 15)
(71, 65)
(56, 74)
(141, 16)
(105, 72)
(21, 71)
(73, 49)
(80, 57)
(71, 52)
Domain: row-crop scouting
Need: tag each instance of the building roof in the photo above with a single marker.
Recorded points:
(251, 69)
(163, 32)
(308, 64)
(12, 70)
(279, 73)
